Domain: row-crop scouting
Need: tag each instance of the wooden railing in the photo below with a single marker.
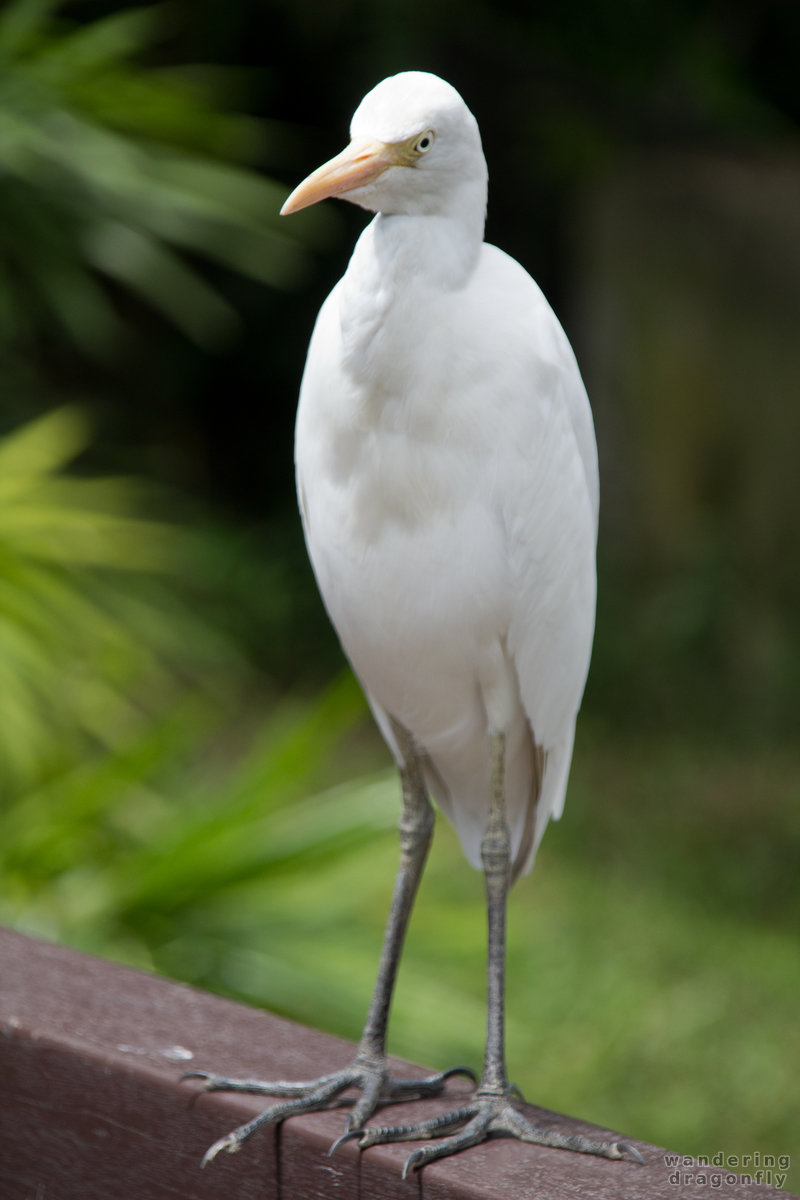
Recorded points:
(91, 1107)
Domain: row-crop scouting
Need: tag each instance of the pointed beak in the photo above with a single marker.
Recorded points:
(359, 164)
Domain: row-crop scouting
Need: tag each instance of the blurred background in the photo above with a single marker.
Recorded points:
(188, 778)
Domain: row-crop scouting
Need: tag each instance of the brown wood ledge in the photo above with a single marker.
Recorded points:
(91, 1107)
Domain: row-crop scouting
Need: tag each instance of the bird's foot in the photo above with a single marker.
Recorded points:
(371, 1077)
(485, 1115)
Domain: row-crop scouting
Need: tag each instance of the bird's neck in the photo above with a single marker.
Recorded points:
(429, 250)
(402, 255)
(440, 246)
(402, 271)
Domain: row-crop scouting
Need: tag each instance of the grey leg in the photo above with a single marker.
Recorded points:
(496, 859)
(416, 833)
(368, 1071)
(494, 1107)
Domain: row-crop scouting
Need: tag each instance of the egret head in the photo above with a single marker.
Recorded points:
(415, 147)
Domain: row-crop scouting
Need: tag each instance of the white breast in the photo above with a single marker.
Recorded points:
(450, 516)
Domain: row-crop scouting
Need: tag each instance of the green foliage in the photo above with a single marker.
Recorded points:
(158, 806)
(127, 795)
(72, 654)
(162, 803)
(116, 170)
(129, 801)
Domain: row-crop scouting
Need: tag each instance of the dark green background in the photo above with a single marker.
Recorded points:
(170, 728)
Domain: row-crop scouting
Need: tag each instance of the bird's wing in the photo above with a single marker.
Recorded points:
(548, 497)
(455, 549)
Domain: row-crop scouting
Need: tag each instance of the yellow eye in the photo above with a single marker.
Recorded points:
(424, 142)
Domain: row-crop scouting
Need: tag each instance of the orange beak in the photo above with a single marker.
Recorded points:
(359, 164)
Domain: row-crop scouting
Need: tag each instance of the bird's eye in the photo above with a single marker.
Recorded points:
(424, 142)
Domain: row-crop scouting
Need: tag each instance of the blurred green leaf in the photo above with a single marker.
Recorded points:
(80, 664)
(114, 170)
(40, 448)
(178, 292)
(21, 22)
(106, 42)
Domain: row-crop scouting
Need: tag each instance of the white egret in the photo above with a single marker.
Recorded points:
(447, 480)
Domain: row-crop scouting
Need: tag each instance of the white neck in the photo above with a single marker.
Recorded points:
(398, 261)
(439, 246)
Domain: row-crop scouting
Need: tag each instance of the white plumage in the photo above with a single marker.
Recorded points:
(447, 475)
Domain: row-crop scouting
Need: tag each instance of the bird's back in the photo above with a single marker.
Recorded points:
(448, 482)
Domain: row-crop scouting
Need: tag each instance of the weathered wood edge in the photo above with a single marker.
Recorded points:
(91, 1105)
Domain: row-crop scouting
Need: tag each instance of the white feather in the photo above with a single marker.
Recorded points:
(447, 474)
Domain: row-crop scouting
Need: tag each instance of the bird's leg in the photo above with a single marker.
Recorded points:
(496, 859)
(416, 832)
(494, 1108)
(369, 1070)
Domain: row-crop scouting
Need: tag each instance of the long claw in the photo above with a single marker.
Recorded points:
(413, 1162)
(467, 1072)
(627, 1148)
(433, 1086)
(230, 1142)
(471, 1135)
(349, 1136)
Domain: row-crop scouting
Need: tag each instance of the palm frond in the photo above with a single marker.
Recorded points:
(121, 172)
